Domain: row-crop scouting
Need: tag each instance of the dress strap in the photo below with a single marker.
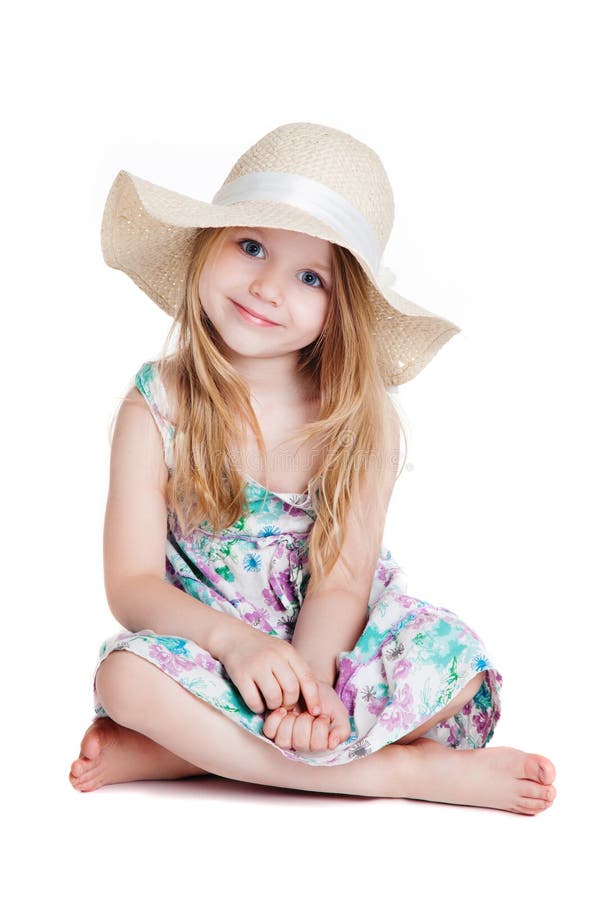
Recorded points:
(152, 389)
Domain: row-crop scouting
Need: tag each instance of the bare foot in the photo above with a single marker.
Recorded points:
(111, 754)
(497, 777)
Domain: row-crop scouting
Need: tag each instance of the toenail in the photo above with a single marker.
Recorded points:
(541, 774)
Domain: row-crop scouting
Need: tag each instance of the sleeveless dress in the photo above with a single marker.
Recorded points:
(411, 659)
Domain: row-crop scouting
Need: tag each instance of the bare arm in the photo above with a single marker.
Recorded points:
(327, 624)
(335, 612)
(135, 529)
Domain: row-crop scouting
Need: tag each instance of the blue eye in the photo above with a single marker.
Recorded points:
(314, 274)
(249, 241)
(309, 271)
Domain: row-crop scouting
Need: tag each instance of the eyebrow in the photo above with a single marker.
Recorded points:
(315, 265)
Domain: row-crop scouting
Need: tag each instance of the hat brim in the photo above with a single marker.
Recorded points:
(147, 231)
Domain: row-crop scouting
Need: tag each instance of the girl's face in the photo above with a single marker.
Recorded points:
(283, 276)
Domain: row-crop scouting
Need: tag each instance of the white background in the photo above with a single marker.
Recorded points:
(486, 119)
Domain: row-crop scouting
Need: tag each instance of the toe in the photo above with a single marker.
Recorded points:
(101, 732)
(87, 777)
(84, 786)
(83, 767)
(533, 790)
(539, 768)
(80, 767)
(91, 745)
(547, 771)
(531, 806)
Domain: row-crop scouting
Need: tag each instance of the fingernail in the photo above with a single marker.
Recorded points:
(316, 710)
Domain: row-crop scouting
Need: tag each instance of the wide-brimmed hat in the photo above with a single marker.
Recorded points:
(301, 177)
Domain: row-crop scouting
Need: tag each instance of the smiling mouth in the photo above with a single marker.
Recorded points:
(253, 315)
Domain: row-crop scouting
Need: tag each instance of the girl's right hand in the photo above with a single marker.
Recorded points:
(263, 664)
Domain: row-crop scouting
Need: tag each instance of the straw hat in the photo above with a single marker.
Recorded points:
(300, 176)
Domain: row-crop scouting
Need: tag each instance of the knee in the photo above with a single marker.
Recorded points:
(115, 684)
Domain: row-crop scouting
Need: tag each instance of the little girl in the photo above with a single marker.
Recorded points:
(251, 471)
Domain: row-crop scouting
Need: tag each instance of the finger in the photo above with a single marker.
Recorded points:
(302, 731)
(337, 735)
(320, 732)
(308, 686)
(270, 689)
(283, 736)
(333, 740)
(251, 696)
(288, 683)
(273, 721)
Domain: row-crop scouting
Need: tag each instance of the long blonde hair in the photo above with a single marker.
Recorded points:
(353, 433)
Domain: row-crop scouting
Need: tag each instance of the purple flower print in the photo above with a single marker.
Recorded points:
(270, 598)
(408, 650)
(467, 708)
(344, 687)
(376, 704)
(483, 722)
(280, 584)
(205, 661)
(453, 735)
(384, 575)
(398, 714)
(292, 510)
(237, 598)
(403, 600)
(401, 669)
(280, 549)
(172, 663)
(258, 618)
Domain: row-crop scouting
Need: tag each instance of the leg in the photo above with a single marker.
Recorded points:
(113, 754)
(140, 696)
(136, 694)
(467, 693)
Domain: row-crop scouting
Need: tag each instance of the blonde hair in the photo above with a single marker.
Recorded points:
(353, 433)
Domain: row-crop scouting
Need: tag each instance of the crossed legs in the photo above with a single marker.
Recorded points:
(138, 696)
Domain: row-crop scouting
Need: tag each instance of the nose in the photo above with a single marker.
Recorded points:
(266, 288)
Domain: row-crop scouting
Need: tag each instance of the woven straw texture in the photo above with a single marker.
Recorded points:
(147, 232)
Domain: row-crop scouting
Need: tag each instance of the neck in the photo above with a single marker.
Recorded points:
(274, 379)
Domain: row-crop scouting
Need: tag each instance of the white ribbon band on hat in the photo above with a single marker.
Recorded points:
(314, 198)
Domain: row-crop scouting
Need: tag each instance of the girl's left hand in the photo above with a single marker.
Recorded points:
(297, 729)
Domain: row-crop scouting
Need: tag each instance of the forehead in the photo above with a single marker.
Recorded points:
(289, 241)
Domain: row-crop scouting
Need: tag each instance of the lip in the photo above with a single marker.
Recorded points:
(252, 317)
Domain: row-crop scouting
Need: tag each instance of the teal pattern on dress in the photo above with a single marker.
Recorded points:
(411, 660)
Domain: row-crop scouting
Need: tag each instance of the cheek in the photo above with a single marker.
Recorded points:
(205, 288)
(320, 316)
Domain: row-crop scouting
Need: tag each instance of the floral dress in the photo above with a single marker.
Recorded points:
(410, 661)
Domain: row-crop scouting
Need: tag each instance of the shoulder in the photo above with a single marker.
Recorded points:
(156, 382)
(136, 442)
(148, 407)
